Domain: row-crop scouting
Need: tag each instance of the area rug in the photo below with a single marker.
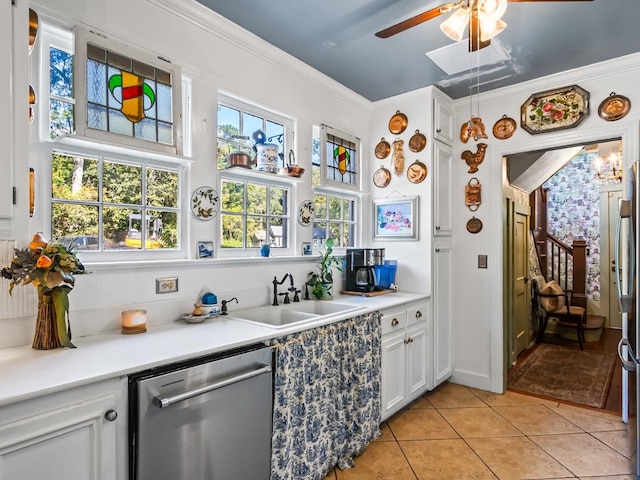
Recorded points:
(568, 374)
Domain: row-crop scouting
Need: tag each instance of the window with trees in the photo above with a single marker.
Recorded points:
(107, 204)
(334, 218)
(255, 208)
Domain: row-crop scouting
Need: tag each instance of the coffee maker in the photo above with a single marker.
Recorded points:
(359, 272)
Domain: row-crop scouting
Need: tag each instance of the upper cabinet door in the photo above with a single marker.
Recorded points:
(442, 189)
(442, 121)
(6, 113)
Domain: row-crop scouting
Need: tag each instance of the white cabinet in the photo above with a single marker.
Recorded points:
(80, 433)
(406, 356)
(443, 128)
(442, 313)
(442, 189)
(14, 136)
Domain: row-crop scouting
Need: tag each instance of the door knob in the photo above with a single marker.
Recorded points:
(110, 415)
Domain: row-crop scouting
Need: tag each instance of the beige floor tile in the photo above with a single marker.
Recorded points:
(478, 422)
(445, 460)
(536, 419)
(420, 424)
(516, 458)
(381, 461)
(450, 395)
(421, 402)
(611, 477)
(584, 455)
(510, 398)
(619, 440)
(591, 420)
(385, 434)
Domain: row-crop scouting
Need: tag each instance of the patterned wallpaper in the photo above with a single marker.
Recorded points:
(574, 212)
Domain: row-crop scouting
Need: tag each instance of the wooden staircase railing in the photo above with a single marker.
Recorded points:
(565, 264)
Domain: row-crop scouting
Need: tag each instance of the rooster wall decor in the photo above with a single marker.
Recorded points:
(474, 159)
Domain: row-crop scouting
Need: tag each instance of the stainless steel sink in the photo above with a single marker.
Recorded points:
(292, 313)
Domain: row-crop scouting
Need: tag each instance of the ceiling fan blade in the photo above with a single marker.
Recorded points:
(417, 20)
(530, 1)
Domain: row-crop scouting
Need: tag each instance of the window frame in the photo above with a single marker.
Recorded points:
(357, 213)
(325, 182)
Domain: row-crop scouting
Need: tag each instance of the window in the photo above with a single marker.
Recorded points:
(106, 204)
(105, 199)
(255, 206)
(108, 92)
(253, 214)
(334, 218)
(335, 161)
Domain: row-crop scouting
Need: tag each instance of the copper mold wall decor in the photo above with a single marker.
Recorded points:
(398, 123)
(381, 177)
(474, 225)
(504, 128)
(382, 149)
(398, 157)
(474, 159)
(417, 172)
(417, 142)
(473, 194)
(555, 110)
(474, 128)
(614, 107)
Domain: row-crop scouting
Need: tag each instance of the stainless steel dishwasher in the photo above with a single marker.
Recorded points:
(207, 419)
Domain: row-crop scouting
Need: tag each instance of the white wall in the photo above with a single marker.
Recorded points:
(218, 57)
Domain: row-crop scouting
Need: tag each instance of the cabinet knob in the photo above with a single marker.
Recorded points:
(438, 130)
(394, 322)
(437, 250)
(110, 415)
(418, 314)
(408, 340)
(437, 228)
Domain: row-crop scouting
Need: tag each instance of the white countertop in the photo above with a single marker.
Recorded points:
(26, 373)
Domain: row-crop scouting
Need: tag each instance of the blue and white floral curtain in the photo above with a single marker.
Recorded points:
(327, 397)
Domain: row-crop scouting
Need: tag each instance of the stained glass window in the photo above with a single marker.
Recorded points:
(339, 162)
(128, 97)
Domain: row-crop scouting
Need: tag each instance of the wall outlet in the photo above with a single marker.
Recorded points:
(482, 261)
(167, 285)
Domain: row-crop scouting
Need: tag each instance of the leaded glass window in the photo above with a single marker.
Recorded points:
(335, 160)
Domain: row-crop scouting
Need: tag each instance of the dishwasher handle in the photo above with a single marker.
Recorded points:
(164, 402)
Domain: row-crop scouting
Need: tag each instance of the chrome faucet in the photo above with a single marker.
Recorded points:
(291, 288)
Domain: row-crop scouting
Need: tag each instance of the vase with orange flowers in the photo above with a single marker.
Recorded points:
(51, 268)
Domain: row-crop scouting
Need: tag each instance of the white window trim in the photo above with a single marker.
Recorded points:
(359, 198)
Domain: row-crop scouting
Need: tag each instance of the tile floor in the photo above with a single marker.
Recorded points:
(459, 433)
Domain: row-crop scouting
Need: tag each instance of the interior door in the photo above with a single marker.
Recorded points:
(610, 196)
(521, 307)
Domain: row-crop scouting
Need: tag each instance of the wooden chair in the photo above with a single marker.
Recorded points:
(549, 300)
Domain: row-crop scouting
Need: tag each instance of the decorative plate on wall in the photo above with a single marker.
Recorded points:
(474, 225)
(554, 110)
(504, 128)
(417, 142)
(205, 203)
(417, 172)
(306, 213)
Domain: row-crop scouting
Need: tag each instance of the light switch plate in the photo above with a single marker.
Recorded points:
(167, 285)
(482, 261)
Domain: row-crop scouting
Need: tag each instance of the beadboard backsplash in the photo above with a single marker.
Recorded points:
(23, 301)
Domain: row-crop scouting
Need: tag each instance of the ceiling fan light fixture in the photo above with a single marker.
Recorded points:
(492, 9)
(488, 30)
(455, 26)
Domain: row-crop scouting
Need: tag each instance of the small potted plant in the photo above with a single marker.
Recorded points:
(321, 282)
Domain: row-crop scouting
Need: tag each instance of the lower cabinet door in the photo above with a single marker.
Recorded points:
(73, 442)
(418, 365)
(393, 385)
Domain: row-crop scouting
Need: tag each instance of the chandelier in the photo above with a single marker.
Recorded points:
(608, 166)
(483, 17)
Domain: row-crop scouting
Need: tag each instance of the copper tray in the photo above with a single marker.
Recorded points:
(33, 28)
(614, 107)
(417, 142)
(504, 128)
(417, 172)
(382, 149)
(398, 123)
(381, 177)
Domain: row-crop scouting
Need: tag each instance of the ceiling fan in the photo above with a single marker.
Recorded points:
(483, 18)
